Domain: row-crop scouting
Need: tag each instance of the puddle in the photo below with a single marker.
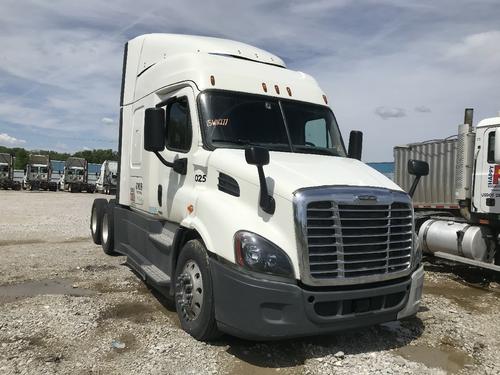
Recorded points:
(245, 368)
(444, 357)
(16, 292)
(287, 357)
(469, 297)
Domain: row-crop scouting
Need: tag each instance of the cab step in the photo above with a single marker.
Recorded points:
(156, 275)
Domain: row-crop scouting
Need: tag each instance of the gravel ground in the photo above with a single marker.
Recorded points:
(66, 308)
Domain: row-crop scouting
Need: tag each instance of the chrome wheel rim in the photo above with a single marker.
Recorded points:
(190, 291)
(105, 228)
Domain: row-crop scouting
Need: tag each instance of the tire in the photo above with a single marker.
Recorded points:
(96, 214)
(108, 229)
(194, 299)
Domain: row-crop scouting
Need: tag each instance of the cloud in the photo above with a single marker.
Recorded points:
(107, 121)
(390, 112)
(6, 139)
(423, 109)
(362, 53)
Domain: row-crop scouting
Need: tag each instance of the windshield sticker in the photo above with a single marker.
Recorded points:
(493, 175)
(218, 122)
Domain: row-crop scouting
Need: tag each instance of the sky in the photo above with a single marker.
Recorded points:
(400, 71)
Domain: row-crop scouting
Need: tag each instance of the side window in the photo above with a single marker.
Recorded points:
(491, 148)
(316, 132)
(179, 131)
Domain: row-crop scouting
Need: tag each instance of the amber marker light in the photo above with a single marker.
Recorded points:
(264, 87)
(325, 99)
(212, 80)
(277, 89)
(289, 91)
(190, 208)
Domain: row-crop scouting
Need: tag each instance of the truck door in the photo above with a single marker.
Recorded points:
(175, 191)
(487, 173)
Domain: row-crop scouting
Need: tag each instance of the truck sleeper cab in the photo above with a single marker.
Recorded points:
(236, 197)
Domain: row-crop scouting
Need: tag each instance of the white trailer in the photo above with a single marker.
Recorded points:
(106, 183)
(457, 214)
(237, 198)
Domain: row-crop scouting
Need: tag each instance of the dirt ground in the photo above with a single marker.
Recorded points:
(66, 308)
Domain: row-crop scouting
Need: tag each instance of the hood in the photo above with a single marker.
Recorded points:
(288, 172)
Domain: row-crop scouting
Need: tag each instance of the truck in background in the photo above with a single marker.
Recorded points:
(106, 182)
(38, 173)
(237, 198)
(75, 176)
(7, 181)
(457, 206)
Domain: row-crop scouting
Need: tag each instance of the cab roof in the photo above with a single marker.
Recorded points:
(488, 122)
(155, 61)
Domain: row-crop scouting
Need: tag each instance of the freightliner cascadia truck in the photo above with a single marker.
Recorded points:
(457, 206)
(75, 176)
(237, 198)
(38, 174)
(7, 173)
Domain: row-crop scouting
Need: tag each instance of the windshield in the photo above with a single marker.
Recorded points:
(237, 120)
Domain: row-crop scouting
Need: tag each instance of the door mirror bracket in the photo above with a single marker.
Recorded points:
(259, 157)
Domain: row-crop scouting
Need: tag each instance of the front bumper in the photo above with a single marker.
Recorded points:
(258, 309)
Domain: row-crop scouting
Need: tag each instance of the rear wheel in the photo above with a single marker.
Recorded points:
(194, 298)
(108, 229)
(96, 215)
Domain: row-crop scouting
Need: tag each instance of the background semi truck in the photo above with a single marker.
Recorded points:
(7, 172)
(75, 176)
(458, 204)
(106, 182)
(237, 198)
(38, 174)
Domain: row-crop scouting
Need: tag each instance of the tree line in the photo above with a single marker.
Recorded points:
(92, 156)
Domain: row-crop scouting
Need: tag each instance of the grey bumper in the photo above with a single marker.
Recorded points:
(254, 308)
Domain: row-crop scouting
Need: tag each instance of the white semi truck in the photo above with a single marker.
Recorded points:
(75, 176)
(106, 183)
(237, 198)
(38, 174)
(457, 206)
(7, 181)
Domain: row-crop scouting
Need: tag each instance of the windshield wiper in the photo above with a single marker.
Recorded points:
(315, 150)
(239, 141)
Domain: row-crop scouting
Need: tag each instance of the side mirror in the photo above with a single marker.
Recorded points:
(355, 144)
(154, 129)
(259, 157)
(418, 167)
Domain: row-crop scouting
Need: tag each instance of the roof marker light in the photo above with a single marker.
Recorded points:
(277, 89)
(212, 80)
(325, 99)
(264, 87)
(289, 91)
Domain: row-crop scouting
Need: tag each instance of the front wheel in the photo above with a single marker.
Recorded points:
(194, 299)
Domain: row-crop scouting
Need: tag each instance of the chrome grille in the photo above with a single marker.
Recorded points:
(345, 238)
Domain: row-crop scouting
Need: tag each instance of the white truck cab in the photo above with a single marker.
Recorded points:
(106, 183)
(237, 197)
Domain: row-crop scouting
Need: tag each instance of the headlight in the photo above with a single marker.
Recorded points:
(257, 254)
